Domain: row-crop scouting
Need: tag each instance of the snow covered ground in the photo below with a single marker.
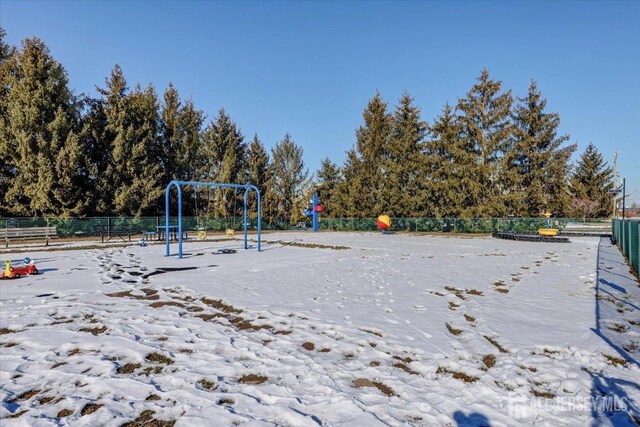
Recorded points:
(395, 330)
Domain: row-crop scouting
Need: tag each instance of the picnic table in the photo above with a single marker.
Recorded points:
(173, 232)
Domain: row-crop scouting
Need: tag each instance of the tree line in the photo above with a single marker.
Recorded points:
(63, 154)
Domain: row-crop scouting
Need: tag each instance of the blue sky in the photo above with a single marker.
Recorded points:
(309, 68)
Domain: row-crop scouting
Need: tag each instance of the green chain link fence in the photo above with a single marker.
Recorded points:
(626, 233)
(70, 227)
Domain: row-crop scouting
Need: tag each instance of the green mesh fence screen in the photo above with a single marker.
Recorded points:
(70, 227)
(626, 232)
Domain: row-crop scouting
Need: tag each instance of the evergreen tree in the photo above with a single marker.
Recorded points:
(487, 130)
(403, 183)
(364, 167)
(258, 173)
(223, 152)
(448, 177)
(188, 151)
(539, 157)
(329, 177)
(290, 182)
(39, 135)
(104, 124)
(170, 134)
(592, 180)
(135, 172)
(7, 172)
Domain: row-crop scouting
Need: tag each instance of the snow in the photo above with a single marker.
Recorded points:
(395, 330)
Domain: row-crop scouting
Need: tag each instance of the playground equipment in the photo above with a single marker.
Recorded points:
(384, 223)
(314, 211)
(548, 231)
(15, 272)
(178, 184)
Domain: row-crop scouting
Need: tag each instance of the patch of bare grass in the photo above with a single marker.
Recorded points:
(206, 384)
(309, 346)
(90, 408)
(252, 379)
(615, 361)
(363, 382)
(159, 358)
(489, 361)
(452, 330)
(458, 375)
(495, 343)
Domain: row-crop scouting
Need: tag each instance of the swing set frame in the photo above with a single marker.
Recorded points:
(178, 184)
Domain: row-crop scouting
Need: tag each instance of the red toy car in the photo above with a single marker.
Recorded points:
(15, 272)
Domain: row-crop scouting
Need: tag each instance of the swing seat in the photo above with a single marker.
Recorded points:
(230, 232)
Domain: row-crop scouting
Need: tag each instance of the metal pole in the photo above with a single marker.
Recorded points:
(315, 213)
(166, 217)
(259, 218)
(179, 222)
(623, 198)
(615, 186)
(246, 191)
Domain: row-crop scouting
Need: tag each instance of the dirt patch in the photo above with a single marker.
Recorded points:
(159, 358)
(205, 384)
(226, 401)
(73, 352)
(369, 331)
(90, 408)
(25, 396)
(618, 327)
(363, 382)
(306, 245)
(615, 361)
(252, 379)
(8, 344)
(56, 365)
(374, 363)
(64, 413)
(474, 292)
(153, 397)
(458, 375)
(530, 368)
(405, 368)
(159, 304)
(457, 292)
(282, 332)
(542, 393)
(4, 331)
(219, 305)
(453, 306)
(145, 419)
(403, 359)
(469, 318)
(207, 317)
(309, 346)
(503, 290)
(95, 331)
(489, 361)
(495, 343)
(128, 368)
(149, 294)
(19, 414)
(452, 330)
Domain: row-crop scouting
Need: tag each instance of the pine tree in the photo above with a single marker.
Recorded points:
(290, 182)
(258, 173)
(170, 134)
(39, 143)
(448, 177)
(403, 183)
(105, 125)
(135, 173)
(7, 172)
(539, 157)
(487, 130)
(364, 167)
(223, 155)
(329, 177)
(592, 180)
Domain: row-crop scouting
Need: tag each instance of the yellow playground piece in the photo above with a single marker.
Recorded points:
(230, 232)
(548, 231)
(202, 234)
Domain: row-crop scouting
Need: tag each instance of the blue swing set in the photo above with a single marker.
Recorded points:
(178, 184)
